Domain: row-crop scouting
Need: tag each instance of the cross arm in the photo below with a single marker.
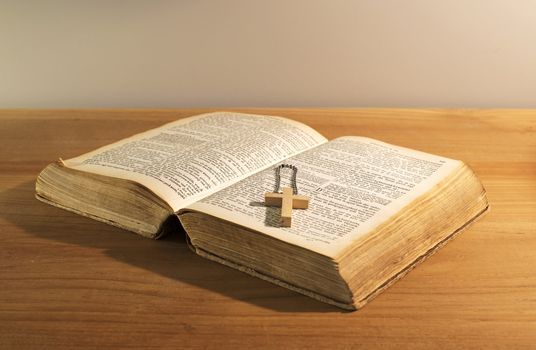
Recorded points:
(274, 199)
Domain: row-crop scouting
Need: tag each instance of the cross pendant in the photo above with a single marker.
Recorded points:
(287, 201)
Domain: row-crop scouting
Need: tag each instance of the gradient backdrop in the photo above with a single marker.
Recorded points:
(370, 53)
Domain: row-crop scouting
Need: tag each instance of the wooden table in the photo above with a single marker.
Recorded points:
(70, 282)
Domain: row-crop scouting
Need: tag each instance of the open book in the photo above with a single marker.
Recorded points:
(375, 209)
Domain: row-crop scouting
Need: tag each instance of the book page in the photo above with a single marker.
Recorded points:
(354, 184)
(191, 158)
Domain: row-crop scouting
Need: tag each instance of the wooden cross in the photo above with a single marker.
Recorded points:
(287, 201)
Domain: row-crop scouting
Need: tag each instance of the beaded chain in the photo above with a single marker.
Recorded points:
(292, 179)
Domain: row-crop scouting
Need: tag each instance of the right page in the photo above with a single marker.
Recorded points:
(354, 185)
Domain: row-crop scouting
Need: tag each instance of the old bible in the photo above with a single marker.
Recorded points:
(375, 210)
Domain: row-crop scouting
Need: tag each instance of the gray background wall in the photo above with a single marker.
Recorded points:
(413, 53)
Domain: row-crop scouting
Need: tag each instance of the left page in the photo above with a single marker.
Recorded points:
(191, 158)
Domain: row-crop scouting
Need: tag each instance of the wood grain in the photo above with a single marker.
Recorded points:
(69, 282)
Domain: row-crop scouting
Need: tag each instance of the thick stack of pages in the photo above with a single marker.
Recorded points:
(376, 209)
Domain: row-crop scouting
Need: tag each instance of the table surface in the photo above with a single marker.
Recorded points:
(70, 282)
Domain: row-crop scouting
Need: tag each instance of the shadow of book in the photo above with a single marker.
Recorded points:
(168, 257)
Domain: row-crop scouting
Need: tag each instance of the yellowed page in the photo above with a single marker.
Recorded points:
(354, 183)
(187, 160)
